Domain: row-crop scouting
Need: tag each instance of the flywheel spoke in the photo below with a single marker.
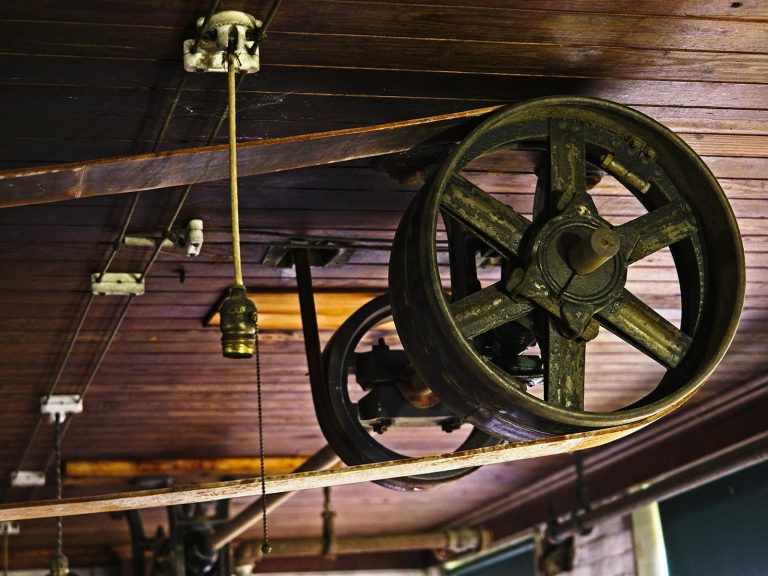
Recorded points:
(564, 360)
(568, 170)
(487, 309)
(496, 223)
(638, 324)
(658, 229)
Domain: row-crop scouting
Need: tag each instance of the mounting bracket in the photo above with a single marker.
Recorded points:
(226, 31)
(9, 528)
(321, 254)
(190, 239)
(117, 284)
(61, 405)
(27, 478)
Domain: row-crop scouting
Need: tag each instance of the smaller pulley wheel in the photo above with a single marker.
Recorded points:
(564, 266)
(394, 397)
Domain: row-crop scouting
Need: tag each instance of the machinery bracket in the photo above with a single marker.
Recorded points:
(61, 405)
(117, 284)
(321, 254)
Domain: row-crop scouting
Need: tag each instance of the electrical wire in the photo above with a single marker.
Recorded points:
(118, 244)
(231, 93)
(261, 32)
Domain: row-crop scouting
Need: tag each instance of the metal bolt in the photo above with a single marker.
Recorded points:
(450, 425)
(382, 425)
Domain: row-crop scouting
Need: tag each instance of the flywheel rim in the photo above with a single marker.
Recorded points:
(346, 435)
(490, 402)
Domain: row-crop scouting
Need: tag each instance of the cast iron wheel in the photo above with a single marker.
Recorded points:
(338, 415)
(566, 269)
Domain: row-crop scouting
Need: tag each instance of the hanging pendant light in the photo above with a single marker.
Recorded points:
(238, 312)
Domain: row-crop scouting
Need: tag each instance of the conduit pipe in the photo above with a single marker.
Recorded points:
(749, 452)
(454, 541)
(322, 459)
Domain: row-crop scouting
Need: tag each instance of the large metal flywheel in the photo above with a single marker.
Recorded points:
(564, 269)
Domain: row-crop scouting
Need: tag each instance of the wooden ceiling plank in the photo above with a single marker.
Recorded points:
(181, 13)
(41, 71)
(748, 10)
(531, 25)
(269, 114)
(412, 53)
(467, 23)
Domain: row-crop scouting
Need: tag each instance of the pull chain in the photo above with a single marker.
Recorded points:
(5, 553)
(60, 519)
(265, 547)
(329, 525)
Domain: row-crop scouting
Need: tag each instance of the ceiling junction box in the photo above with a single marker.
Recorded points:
(61, 405)
(226, 31)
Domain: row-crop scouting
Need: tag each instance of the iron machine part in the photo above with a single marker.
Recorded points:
(563, 272)
(395, 397)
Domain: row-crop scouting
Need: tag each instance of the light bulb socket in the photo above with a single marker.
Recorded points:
(59, 564)
(238, 324)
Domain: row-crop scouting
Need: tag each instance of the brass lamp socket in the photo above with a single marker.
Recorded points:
(238, 324)
(59, 565)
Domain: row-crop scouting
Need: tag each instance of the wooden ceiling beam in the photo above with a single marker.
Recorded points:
(135, 173)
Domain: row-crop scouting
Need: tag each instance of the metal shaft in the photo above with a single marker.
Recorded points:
(728, 461)
(226, 533)
(456, 540)
(594, 250)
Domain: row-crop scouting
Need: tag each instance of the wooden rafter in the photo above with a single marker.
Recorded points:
(206, 164)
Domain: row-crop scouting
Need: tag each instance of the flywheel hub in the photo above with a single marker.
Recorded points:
(557, 245)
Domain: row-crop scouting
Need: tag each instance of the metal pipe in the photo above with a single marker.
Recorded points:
(456, 541)
(730, 460)
(138, 541)
(226, 533)
(261, 32)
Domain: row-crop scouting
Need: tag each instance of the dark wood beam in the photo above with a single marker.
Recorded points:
(124, 174)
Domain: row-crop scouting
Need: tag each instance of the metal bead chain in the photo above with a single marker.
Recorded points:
(265, 547)
(59, 520)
